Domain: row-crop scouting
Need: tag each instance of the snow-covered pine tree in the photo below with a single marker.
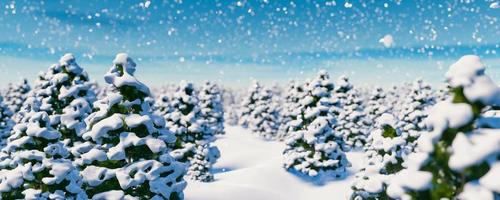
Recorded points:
(66, 95)
(6, 123)
(201, 164)
(376, 104)
(342, 86)
(264, 118)
(35, 162)
(248, 104)
(414, 109)
(15, 94)
(61, 84)
(352, 122)
(130, 158)
(291, 109)
(459, 158)
(211, 107)
(384, 157)
(231, 106)
(185, 120)
(313, 148)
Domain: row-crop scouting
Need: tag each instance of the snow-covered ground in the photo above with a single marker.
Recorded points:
(251, 168)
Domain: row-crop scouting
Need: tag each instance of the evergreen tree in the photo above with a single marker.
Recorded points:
(248, 104)
(201, 164)
(230, 102)
(413, 111)
(193, 130)
(186, 121)
(130, 158)
(35, 161)
(211, 108)
(351, 118)
(376, 104)
(15, 95)
(352, 122)
(61, 84)
(6, 123)
(313, 147)
(264, 118)
(291, 109)
(459, 157)
(384, 157)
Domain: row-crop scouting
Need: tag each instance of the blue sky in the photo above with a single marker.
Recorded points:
(234, 41)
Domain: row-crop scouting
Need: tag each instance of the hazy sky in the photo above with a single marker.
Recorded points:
(233, 41)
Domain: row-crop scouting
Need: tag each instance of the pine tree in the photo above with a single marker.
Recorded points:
(459, 157)
(376, 105)
(291, 109)
(201, 164)
(15, 95)
(248, 104)
(413, 111)
(194, 133)
(61, 84)
(230, 102)
(185, 120)
(130, 158)
(352, 122)
(211, 108)
(351, 118)
(35, 161)
(6, 123)
(313, 148)
(264, 119)
(384, 157)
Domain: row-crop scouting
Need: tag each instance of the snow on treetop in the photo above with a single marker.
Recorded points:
(468, 72)
(464, 70)
(69, 61)
(387, 119)
(122, 74)
(483, 90)
(125, 61)
(343, 83)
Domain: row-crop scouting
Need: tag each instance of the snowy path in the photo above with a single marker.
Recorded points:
(250, 168)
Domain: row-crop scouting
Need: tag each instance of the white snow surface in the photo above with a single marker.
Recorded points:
(251, 168)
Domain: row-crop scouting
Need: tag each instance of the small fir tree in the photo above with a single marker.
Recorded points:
(313, 148)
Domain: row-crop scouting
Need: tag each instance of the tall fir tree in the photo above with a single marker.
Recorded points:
(313, 147)
(186, 120)
(129, 158)
(352, 121)
(231, 105)
(458, 157)
(264, 118)
(6, 123)
(48, 126)
(376, 104)
(211, 107)
(61, 84)
(248, 104)
(291, 109)
(413, 111)
(15, 94)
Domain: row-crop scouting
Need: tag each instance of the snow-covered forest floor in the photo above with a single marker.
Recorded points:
(251, 168)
